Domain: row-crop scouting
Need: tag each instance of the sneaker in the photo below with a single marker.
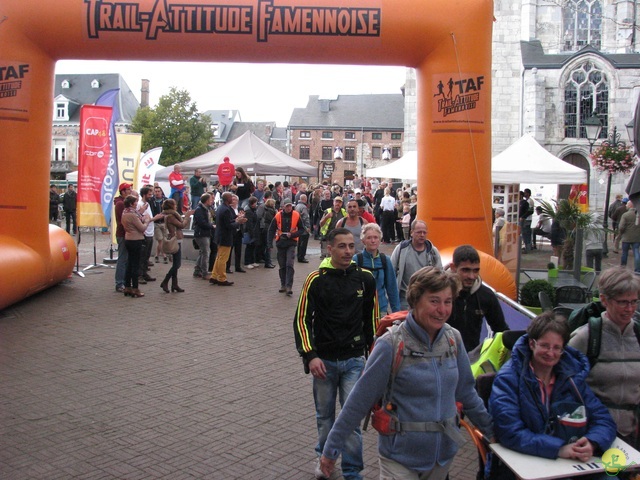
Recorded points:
(250, 266)
(282, 289)
(157, 261)
(256, 265)
(335, 475)
(269, 266)
(165, 260)
(289, 292)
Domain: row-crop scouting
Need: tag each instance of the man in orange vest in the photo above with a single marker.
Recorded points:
(285, 228)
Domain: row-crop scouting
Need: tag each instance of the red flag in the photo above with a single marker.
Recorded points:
(93, 160)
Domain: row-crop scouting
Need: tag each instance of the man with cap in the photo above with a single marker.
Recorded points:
(286, 228)
(328, 223)
(615, 217)
(123, 256)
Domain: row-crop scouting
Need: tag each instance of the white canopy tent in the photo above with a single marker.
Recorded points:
(249, 152)
(406, 168)
(526, 161)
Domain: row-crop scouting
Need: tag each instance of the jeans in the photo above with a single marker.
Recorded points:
(178, 197)
(594, 256)
(341, 377)
(145, 253)
(195, 199)
(636, 255)
(202, 263)
(526, 234)
(286, 260)
(121, 264)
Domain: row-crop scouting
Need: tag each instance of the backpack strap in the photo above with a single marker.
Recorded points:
(360, 259)
(593, 343)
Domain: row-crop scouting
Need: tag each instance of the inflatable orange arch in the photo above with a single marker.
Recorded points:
(449, 44)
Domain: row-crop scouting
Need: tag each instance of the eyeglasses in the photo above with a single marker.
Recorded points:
(545, 346)
(625, 303)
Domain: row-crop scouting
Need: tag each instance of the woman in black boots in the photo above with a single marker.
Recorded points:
(174, 224)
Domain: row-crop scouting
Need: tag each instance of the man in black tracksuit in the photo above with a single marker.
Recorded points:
(475, 301)
(334, 327)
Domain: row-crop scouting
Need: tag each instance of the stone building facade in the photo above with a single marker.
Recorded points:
(554, 64)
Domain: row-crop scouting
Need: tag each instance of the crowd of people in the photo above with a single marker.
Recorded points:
(422, 362)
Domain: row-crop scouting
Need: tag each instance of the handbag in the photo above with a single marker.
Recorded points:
(246, 239)
(169, 243)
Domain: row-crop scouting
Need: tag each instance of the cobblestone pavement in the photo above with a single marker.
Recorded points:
(200, 385)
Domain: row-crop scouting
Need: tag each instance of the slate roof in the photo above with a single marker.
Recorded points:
(374, 111)
(81, 93)
(533, 56)
(225, 120)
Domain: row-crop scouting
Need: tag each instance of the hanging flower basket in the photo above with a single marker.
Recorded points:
(612, 159)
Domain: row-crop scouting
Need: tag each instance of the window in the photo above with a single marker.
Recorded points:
(350, 135)
(62, 111)
(376, 136)
(396, 136)
(305, 153)
(395, 152)
(327, 153)
(59, 151)
(376, 153)
(305, 134)
(327, 135)
(585, 91)
(65, 84)
(349, 154)
(582, 23)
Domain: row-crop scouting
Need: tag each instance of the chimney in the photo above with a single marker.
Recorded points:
(144, 93)
(325, 105)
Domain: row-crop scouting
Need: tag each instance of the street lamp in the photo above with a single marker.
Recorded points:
(613, 140)
(593, 126)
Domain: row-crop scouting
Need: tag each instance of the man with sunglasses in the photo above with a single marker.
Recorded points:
(475, 301)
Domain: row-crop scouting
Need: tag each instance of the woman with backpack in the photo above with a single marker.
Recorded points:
(416, 373)
(541, 403)
(380, 266)
(615, 366)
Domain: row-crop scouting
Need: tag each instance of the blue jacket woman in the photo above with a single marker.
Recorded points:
(525, 414)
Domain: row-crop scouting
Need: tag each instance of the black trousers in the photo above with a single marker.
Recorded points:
(71, 215)
(303, 241)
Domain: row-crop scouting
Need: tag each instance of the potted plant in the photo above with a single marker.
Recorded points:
(552, 270)
(570, 217)
(529, 294)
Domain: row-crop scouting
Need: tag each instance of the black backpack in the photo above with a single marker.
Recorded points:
(591, 314)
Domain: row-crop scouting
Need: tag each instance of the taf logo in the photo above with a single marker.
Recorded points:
(96, 133)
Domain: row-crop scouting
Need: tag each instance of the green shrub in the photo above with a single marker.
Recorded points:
(529, 292)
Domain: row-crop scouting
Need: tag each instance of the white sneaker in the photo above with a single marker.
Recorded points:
(248, 266)
(256, 265)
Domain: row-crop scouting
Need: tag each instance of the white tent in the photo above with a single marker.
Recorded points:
(526, 161)
(405, 168)
(249, 152)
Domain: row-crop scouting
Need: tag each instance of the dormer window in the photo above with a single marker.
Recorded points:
(95, 84)
(66, 84)
(61, 112)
